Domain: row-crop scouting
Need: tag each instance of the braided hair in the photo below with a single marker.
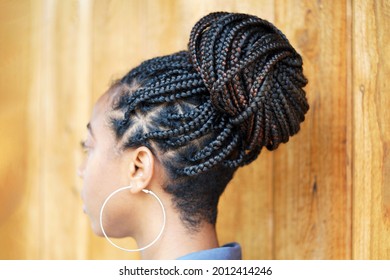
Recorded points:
(206, 111)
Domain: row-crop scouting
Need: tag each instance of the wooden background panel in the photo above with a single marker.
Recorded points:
(59, 94)
(58, 57)
(312, 196)
(371, 130)
(15, 79)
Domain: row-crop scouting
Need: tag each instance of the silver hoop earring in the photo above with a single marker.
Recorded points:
(139, 249)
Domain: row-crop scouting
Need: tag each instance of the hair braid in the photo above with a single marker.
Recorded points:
(214, 145)
(192, 126)
(216, 159)
(203, 130)
(200, 110)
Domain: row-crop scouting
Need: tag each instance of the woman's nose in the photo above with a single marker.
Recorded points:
(80, 170)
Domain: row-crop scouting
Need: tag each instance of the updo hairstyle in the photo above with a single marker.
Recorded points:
(206, 111)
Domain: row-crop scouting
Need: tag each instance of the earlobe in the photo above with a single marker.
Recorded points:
(141, 169)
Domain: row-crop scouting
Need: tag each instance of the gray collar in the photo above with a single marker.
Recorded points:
(230, 251)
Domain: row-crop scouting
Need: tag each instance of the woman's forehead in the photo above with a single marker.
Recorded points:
(100, 111)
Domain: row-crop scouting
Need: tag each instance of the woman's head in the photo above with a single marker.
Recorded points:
(206, 111)
(107, 167)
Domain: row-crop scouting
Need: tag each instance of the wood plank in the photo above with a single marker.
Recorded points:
(59, 56)
(62, 74)
(15, 190)
(371, 130)
(312, 196)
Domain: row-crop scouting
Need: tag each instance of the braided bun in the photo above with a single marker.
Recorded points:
(253, 75)
(237, 89)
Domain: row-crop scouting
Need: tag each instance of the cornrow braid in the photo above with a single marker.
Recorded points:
(206, 111)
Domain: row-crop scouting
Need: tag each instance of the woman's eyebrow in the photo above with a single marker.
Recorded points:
(89, 127)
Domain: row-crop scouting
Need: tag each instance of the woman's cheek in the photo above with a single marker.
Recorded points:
(90, 188)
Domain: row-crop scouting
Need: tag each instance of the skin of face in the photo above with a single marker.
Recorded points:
(104, 170)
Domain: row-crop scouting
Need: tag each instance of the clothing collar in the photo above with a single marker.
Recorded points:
(230, 251)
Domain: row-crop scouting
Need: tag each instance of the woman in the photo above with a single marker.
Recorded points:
(164, 141)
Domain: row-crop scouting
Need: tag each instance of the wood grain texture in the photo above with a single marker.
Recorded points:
(312, 199)
(323, 195)
(371, 130)
(61, 109)
(15, 191)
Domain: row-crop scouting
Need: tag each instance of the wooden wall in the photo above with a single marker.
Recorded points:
(324, 195)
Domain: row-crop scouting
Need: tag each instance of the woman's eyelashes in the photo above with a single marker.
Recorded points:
(85, 146)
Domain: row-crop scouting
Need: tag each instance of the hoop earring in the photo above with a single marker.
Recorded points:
(139, 249)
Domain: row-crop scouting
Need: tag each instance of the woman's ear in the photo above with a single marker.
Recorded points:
(141, 168)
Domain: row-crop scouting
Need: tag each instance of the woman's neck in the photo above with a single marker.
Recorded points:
(178, 241)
